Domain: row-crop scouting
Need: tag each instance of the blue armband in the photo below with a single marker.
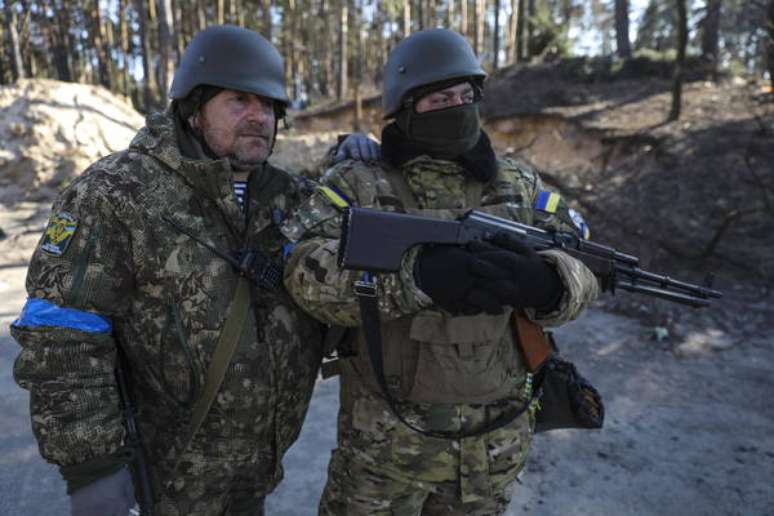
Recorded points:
(39, 312)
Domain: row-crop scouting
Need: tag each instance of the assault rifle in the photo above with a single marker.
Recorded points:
(134, 440)
(373, 240)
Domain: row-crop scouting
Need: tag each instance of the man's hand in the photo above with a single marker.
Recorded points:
(109, 496)
(529, 281)
(359, 147)
(460, 280)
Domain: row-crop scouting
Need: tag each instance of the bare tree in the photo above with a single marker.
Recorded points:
(624, 46)
(710, 28)
(682, 43)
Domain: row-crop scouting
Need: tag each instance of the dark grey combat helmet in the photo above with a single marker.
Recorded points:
(231, 57)
(425, 57)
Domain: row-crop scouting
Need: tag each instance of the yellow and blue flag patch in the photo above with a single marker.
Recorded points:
(336, 197)
(59, 233)
(547, 201)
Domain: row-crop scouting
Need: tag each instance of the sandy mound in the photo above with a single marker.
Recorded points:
(51, 130)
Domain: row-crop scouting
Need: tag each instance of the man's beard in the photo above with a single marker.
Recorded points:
(240, 160)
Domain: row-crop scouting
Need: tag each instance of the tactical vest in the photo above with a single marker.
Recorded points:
(434, 357)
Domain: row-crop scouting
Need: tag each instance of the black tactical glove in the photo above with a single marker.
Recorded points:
(530, 281)
(458, 280)
(112, 495)
(359, 147)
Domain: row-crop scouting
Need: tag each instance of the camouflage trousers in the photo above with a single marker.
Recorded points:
(382, 468)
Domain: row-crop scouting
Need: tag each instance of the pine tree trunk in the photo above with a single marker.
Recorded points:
(624, 47)
(512, 46)
(124, 46)
(478, 20)
(166, 49)
(530, 46)
(496, 50)
(406, 18)
(58, 38)
(464, 18)
(266, 15)
(201, 14)
(682, 43)
(98, 44)
(14, 46)
(25, 40)
(770, 41)
(341, 86)
(149, 82)
(710, 28)
(180, 29)
(519, 45)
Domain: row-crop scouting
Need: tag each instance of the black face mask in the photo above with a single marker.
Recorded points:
(445, 133)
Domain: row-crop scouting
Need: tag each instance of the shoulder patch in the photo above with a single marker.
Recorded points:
(580, 223)
(335, 196)
(59, 233)
(547, 201)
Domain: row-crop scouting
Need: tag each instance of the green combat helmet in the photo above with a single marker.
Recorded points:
(426, 57)
(234, 58)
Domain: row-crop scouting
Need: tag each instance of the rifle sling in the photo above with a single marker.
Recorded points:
(221, 357)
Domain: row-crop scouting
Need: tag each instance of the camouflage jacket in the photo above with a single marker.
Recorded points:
(121, 249)
(436, 373)
(315, 281)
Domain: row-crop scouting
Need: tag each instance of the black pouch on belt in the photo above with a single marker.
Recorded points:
(568, 400)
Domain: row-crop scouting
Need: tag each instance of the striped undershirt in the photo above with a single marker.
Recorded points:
(239, 191)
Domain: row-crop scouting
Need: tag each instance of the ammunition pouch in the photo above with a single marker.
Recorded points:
(567, 399)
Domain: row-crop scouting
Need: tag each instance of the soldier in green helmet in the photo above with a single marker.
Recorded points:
(147, 256)
(458, 434)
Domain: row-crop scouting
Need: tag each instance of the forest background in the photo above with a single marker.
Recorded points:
(337, 48)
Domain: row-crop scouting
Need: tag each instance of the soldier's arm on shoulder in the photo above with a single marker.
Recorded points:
(76, 282)
(312, 275)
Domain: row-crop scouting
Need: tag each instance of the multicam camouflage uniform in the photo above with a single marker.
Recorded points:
(450, 373)
(112, 254)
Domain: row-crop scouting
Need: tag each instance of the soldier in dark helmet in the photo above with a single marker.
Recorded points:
(456, 433)
(148, 256)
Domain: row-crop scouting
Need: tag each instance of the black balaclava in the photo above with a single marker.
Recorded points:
(453, 133)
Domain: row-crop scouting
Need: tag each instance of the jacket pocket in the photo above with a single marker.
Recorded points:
(179, 366)
(468, 359)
